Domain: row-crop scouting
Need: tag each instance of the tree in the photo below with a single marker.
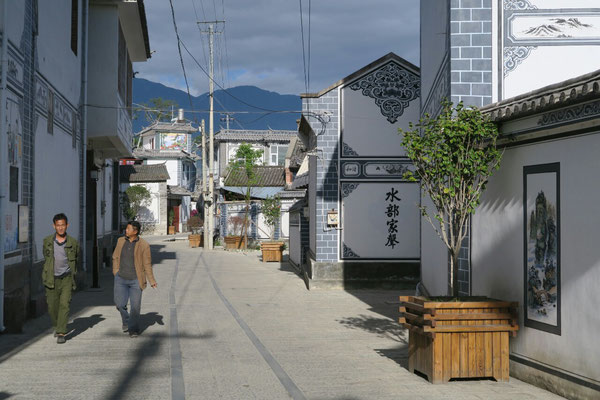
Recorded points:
(244, 162)
(271, 210)
(454, 155)
(134, 198)
(157, 109)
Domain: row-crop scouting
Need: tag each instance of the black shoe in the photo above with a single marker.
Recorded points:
(125, 328)
(61, 339)
(133, 334)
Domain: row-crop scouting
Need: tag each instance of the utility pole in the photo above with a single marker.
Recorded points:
(211, 156)
(204, 186)
(227, 118)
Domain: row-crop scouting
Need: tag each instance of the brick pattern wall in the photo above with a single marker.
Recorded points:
(471, 79)
(327, 171)
(471, 51)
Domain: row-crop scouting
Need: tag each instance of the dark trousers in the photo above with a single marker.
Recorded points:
(59, 302)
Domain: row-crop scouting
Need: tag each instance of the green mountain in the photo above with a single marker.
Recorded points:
(256, 108)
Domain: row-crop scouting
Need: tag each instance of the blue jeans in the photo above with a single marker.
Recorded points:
(128, 290)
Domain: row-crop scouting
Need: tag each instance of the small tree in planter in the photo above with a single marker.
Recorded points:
(245, 161)
(170, 220)
(454, 155)
(234, 239)
(271, 210)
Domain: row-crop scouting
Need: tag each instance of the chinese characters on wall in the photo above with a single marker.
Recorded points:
(392, 212)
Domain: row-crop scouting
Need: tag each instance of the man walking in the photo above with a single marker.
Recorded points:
(61, 257)
(132, 265)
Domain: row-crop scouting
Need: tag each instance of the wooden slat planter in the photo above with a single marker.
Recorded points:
(234, 242)
(458, 339)
(272, 251)
(196, 240)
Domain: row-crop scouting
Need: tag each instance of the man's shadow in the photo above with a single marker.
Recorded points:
(149, 319)
(82, 324)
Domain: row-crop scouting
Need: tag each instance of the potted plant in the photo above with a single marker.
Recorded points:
(194, 224)
(454, 154)
(236, 240)
(271, 210)
(244, 163)
(170, 219)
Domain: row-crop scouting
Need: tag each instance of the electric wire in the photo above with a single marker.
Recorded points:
(200, 30)
(303, 47)
(187, 86)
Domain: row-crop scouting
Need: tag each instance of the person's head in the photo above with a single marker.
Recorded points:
(61, 224)
(133, 229)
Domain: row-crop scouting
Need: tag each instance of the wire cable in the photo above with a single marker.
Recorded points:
(187, 86)
(303, 47)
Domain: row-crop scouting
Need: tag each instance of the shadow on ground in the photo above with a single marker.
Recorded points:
(82, 324)
(4, 395)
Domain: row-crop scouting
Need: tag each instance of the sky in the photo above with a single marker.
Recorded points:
(260, 43)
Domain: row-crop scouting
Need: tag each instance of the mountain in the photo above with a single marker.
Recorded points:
(258, 104)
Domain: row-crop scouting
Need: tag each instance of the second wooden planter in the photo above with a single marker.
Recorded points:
(196, 240)
(272, 251)
(458, 339)
(234, 242)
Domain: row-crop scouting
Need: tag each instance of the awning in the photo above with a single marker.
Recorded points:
(256, 192)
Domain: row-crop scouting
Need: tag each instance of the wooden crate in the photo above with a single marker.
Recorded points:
(272, 251)
(196, 240)
(234, 242)
(464, 339)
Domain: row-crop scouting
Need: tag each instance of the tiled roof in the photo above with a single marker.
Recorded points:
(292, 194)
(153, 153)
(168, 127)
(296, 153)
(143, 173)
(266, 176)
(550, 97)
(255, 135)
(178, 191)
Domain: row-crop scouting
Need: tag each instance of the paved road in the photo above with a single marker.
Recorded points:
(223, 325)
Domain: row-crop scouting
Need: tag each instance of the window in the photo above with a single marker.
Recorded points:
(278, 154)
(74, 24)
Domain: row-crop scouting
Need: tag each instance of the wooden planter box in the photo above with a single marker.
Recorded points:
(171, 230)
(234, 242)
(458, 339)
(196, 240)
(272, 251)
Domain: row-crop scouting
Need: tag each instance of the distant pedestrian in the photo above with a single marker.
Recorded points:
(132, 265)
(61, 257)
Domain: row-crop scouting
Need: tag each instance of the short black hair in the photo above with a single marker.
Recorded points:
(59, 217)
(136, 225)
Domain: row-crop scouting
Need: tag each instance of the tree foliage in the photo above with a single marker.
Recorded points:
(271, 210)
(134, 198)
(454, 155)
(245, 161)
(157, 109)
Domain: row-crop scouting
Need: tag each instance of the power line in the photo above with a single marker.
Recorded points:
(187, 86)
(199, 31)
(308, 67)
(303, 47)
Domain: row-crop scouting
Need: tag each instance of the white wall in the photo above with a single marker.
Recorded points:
(434, 255)
(497, 253)
(172, 169)
(57, 183)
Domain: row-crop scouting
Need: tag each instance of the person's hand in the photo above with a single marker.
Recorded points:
(154, 285)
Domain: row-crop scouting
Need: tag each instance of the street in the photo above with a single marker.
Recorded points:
(224, 325)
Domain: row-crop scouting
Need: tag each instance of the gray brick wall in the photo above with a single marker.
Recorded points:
(327, 173)
(471, 51)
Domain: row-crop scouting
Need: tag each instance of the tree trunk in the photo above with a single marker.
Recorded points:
(453, 281)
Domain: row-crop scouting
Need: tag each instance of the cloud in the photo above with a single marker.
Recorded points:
(261, 43)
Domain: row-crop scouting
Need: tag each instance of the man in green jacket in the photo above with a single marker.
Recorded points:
(61, 257)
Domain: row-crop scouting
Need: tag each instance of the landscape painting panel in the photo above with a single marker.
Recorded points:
(542, 250)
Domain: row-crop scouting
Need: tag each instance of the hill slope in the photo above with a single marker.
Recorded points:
(250, 99)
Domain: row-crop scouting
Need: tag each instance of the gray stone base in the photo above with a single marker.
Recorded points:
(554, 380)
(360, 275)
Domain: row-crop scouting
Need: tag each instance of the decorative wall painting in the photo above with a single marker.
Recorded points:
(173, 141)
(541, 214)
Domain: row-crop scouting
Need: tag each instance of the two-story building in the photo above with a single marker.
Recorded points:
(171, 144)
(65, 88)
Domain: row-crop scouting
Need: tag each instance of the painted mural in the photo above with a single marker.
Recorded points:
(542, 248)
(173, 141)
(15, 156)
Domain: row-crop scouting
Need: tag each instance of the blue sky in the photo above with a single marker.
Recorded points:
(261, 43)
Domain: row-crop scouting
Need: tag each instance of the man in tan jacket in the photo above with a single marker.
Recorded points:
(132, 265)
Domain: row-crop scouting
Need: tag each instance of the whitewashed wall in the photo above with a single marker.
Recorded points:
(497, 253)
(172, 168)
(534, 56)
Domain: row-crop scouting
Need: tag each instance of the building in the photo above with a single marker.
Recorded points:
(63, 60)
(532, 66)
(171, 144)
(362, 216)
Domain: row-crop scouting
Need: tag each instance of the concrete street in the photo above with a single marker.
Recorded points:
(224, 325)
